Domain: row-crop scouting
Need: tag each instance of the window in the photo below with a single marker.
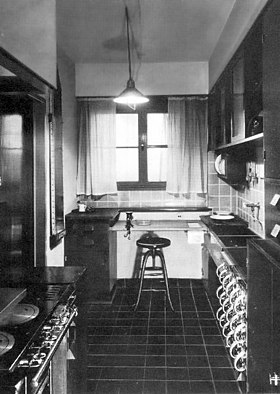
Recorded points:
(141, 146)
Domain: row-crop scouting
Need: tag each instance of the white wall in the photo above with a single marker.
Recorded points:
(241, 19)
(28, 32)
(152, 79)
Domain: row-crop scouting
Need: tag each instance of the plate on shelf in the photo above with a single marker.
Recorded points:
(222, 217)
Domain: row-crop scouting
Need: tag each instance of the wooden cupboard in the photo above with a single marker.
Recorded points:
(235, 102)
(271, 89)
(87, 244)
(263, 310)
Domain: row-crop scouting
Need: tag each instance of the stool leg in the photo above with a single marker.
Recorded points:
(165, 278)
(145, 259)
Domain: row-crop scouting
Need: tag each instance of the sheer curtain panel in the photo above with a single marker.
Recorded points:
(187, 145)
(97, 148)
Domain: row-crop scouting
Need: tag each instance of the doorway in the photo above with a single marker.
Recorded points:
(16, 183)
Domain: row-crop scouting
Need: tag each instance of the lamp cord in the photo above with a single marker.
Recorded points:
(128, 43)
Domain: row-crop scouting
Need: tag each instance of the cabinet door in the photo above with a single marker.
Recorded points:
(253, 79)
(238, 108)
(259, 316)
(87, 244)
(271, 89)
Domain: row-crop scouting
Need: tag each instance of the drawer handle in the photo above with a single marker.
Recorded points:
(88, 228)
(88, 242)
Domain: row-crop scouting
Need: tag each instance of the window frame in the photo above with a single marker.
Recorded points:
(157, 104)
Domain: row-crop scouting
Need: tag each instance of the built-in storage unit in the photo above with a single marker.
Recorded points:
(263, 375)
(236, 106)
(271, 89)
(235, 102)
(87, 244)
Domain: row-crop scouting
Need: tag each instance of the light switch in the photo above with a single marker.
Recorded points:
(275, 200)
(275, 231)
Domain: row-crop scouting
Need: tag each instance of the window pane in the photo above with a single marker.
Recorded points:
(157, 158)
(127, 165)
(156, 129)
(127, 129)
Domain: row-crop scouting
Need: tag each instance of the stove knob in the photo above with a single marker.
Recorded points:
(47, 327)
(23, 363)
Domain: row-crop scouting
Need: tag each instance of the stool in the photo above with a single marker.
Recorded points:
(154, 246)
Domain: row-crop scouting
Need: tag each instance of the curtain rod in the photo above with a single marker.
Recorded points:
(179, 97)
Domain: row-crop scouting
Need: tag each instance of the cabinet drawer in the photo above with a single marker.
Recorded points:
(83, 243)
(86, 227)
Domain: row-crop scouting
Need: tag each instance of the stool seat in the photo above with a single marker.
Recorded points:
(154, 246)
(151, 243)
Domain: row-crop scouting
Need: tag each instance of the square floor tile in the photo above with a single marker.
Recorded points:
(202, 387)
(122, 373)
(200, 374)
(107, 386)
(193, 339)
(178, 387)
(213, 350)
(175, 339)
(223, 374)
(154, 373)
(198, 361)
(177, 373)
(155, 361)
(154, 387)
(195, 350)
(176, 361)
(227, 387)
(131, 387)
(219, 361)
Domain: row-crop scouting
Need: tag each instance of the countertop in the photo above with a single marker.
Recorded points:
(226, 234)
(42, 275)
(176, 225)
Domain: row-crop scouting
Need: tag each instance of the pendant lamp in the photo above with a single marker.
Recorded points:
(130, 96)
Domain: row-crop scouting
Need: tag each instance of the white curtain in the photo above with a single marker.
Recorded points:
(97, 148)
(187, 145)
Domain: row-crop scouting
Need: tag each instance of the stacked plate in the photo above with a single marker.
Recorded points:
(222, 215)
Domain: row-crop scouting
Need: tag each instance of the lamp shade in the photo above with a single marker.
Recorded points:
(130, 95)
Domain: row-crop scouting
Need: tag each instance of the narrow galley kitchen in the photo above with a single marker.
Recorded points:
(139, 197)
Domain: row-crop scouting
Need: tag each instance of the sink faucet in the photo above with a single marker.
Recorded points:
(128, 224)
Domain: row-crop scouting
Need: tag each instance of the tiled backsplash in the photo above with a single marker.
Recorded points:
(222, 196)
(146, 198)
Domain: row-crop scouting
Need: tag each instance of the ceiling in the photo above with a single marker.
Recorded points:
(93, 31)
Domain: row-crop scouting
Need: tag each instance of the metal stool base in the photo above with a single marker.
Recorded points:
(155, 251)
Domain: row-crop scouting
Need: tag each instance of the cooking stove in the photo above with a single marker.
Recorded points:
(30, 337)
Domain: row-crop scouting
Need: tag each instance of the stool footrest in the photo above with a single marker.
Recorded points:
(154, 246)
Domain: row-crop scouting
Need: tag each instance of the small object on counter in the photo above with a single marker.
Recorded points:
(82, 207)
(143, 222)
(221, 217)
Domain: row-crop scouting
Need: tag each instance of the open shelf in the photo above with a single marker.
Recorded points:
(257, 139)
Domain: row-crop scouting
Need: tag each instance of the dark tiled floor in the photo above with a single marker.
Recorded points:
(155, 350)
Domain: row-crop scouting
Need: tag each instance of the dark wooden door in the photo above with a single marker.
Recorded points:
(16, 182)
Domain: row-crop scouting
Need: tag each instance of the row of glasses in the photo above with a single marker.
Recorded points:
(232, 315)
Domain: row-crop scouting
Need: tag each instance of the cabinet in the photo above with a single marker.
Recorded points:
(271, 89)
(263, 317)
(235, 102)
(87, 244)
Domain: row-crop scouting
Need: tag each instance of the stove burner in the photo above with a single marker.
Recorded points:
(23, 313)
(6, 342)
